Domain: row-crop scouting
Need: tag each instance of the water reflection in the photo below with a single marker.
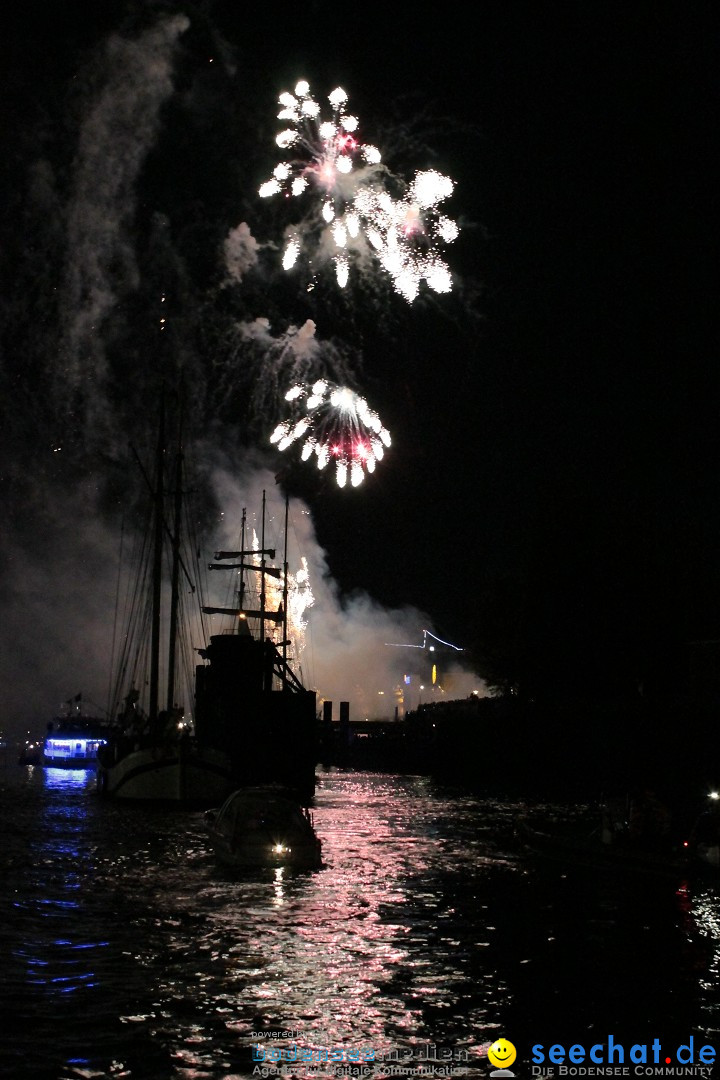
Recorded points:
(131, 954)
(702, 930)
(79, 780)
(370, 950)
(56, 948)
(279, 885)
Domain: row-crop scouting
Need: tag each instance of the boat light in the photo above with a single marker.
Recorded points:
(280, 849)
(70, 746)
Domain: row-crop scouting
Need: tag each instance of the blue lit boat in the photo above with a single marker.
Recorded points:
(73, 743)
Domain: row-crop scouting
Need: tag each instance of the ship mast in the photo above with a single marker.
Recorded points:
(241, 595)
(241, 612)
(285, 597)
(175, 578)
(262, 572)
(157, 571)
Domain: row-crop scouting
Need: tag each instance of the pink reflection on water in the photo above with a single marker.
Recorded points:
(354, 952)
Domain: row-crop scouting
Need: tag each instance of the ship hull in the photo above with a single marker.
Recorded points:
(188, 775)
(81, 762)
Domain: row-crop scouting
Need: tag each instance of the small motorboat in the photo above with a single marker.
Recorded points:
(263, 826)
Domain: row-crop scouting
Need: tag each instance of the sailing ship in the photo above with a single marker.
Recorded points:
(250, 719)
(248, 697)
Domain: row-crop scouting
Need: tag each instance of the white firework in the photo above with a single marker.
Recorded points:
(406, 233)
(299, 598)
(356, 217)
(333, 423)
(328, 160)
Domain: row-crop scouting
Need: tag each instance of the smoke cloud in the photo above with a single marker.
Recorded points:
(287, 357)
(241, 252)
(119, 129)
(352, 647)
(59, 610)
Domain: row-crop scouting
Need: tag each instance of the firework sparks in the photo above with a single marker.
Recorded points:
(329, 160)
(299, 599)
(406, 233)
(356, 217)
(334, 424)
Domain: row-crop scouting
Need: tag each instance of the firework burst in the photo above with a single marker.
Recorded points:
(334, 424)
(328, 160)
(357, 216)
(406, 233)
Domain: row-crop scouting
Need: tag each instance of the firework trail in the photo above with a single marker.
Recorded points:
(336, 425)
(358, 216)
(274, 361)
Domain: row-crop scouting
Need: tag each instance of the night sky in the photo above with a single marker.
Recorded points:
(550, 501)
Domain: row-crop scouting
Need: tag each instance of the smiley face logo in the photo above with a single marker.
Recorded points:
(501, 1054)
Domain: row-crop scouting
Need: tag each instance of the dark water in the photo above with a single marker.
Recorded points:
(127, 953)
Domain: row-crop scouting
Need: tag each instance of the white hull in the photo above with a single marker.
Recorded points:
(179, 773)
